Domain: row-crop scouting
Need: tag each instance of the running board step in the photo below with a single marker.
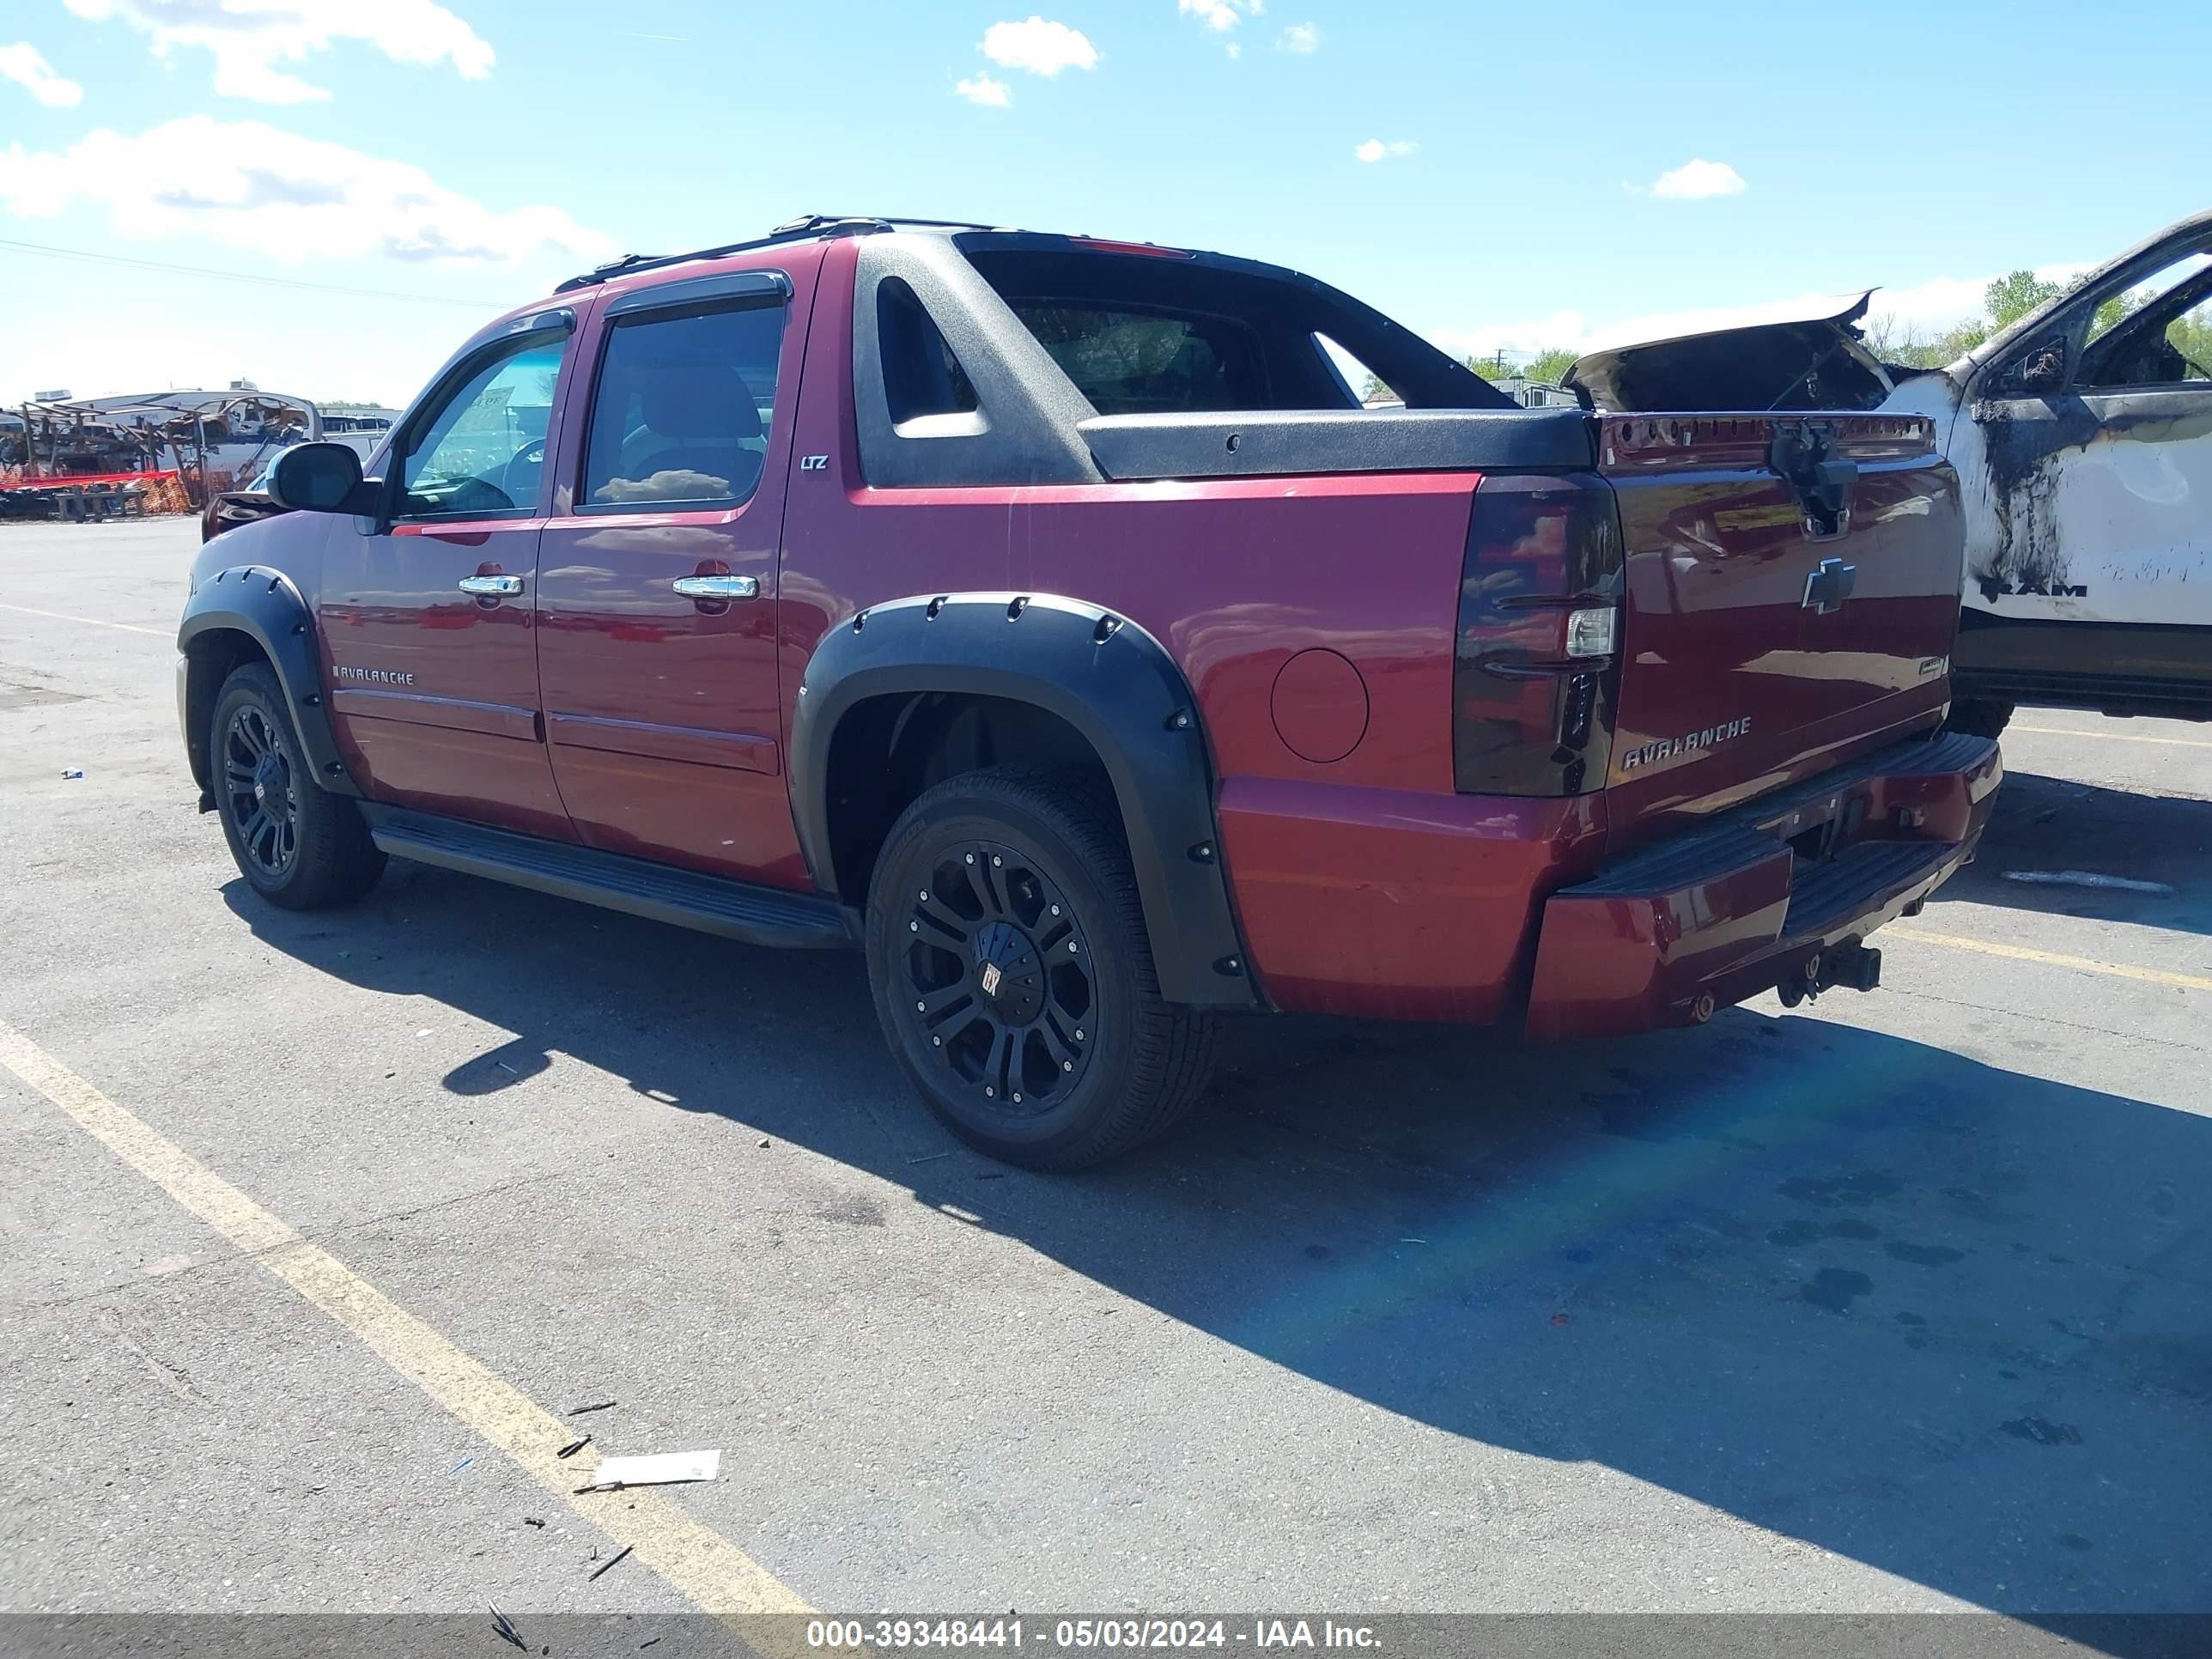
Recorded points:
(709, 904)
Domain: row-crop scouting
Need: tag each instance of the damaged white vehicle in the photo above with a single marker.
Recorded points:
(2082, 438)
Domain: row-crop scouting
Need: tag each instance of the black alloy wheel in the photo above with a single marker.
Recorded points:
(259, 792)
(999, 979)
(1013, 975)
(298, 844)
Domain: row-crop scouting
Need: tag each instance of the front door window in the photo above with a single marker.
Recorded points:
(481, 453)
(2159, 332)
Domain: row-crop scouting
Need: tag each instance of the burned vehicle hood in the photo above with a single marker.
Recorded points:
(1817, 361)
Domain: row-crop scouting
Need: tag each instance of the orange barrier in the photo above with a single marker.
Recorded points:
(73, 481)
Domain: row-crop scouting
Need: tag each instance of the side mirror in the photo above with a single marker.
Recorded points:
(318, 478)
(2043, 370)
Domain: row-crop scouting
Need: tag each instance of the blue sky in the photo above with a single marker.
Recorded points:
(473, 151)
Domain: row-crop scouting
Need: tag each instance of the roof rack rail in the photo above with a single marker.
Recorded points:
(792, 230)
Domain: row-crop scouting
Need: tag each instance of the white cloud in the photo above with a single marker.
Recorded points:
(1041, 47)
(1220, 15)
(385, 352)
(982, 89)
(1376, 150)
(1923, 309)
(28, 68)
(1234, 51)
(1693, 181)
(249, 38)
(251, 185)
(1301, 37)
(1928, 309)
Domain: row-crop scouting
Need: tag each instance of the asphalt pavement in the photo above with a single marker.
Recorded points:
(314, 1223)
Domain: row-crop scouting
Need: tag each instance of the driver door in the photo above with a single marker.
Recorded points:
(2097, 426)
(428, 612)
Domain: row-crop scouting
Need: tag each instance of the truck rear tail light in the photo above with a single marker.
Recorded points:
(1590, 632)
(1536, 662)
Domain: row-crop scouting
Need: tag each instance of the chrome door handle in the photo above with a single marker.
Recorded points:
(717, 587)
(491, 586)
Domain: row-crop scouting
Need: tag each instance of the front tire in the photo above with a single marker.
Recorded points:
(1978, 717)
(297, 845)
(1013, 975)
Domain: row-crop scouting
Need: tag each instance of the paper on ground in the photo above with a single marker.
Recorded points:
(658, 1469)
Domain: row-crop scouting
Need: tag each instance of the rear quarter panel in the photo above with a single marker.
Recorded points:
(1328, 862)
(1233, 576)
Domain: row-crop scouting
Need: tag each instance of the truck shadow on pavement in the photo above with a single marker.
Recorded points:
(2048, 827)
(1937, 1316)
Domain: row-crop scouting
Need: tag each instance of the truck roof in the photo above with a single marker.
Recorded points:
(806, 228)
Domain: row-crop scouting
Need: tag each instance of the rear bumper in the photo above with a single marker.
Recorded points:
(1697, 922)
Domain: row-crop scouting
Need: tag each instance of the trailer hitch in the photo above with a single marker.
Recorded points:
(1852, 965)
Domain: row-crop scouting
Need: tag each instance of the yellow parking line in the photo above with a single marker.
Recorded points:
(93, 621)
(2053, 958)
(698, 1561)
(2109, 737)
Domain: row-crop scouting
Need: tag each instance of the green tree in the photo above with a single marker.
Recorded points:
(2011, 297)
(1910, 348)
(1546, 366)
(1550, 366)
(2191, 334)
(2114, 311)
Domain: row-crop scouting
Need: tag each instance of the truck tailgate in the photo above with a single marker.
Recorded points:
(1791, 595)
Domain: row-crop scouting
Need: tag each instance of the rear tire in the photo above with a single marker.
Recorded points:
(1013, 975)
(1980, 717)
(297, 844)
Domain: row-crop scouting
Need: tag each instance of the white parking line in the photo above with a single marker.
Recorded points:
(2109, 737)
(93, 621)
(2051, 958)
(722, 1578)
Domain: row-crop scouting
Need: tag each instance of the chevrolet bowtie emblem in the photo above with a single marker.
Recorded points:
(1826, 588)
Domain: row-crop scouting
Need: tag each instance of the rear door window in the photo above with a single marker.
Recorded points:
(684, 406)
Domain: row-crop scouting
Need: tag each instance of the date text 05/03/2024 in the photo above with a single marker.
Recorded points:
(1131, 1632)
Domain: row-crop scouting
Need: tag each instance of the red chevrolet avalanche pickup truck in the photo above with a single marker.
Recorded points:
(1046, 616)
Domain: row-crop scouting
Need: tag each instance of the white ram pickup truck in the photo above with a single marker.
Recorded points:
(2082, 438)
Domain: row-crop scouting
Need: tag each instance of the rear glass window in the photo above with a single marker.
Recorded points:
(1161, 333)
(682, 408)
(1149, 362)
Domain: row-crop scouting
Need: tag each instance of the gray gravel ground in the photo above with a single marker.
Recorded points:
(1898, 1301)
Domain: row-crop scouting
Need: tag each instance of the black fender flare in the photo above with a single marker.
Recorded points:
(1104, 676)
(266, 607)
